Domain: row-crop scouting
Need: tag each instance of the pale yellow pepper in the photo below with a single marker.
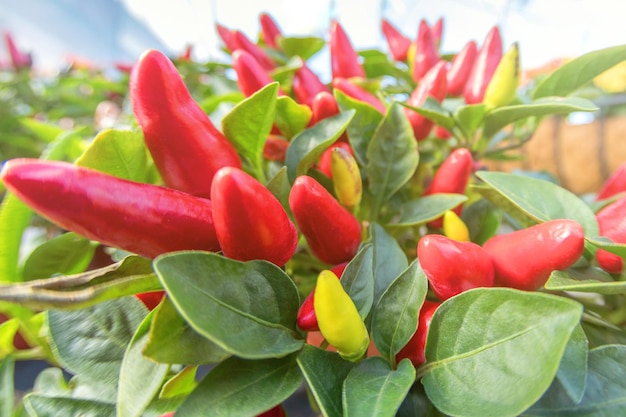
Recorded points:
(454, 227)
(346, 178)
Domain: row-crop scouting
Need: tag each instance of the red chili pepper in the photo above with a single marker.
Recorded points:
(277, 411)
(524, 259)
(307, 320)
(270, 32)
(358, 93)
(186, 147)
(141, 218)
(228, 37)
(251, 77)
(186, 55)
(615, 184)
(324, 165)
(414, 349)
(426, 55)
(250, 222)
(253, 49)
(343, 58)
(485, 65)
(19, 60)
(442, 133)
(151, 299)
(398, 44)
(275, 148)
(332, 232)
(437, 31)
(612, 223)
(461, 68)
(434, 84)
(453, 267)
(325, 105)
(306, 85)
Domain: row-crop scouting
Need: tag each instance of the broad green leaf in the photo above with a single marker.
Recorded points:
(257, 300)
(372, 388)
(291, 117)
(431, 109)
(180, 384)
(324, 373)
(7, 390)
(41, 406)
(140, 378)
(240, 387)
(44, 131)
(249, 122)
(65, 254)
(566, 281)
(304, 47)
(121, 153)
(427, 208)
(358, 279)
(392, 156)
(91, 342)
(579, 71)
(609, 246)
(503, 116)
(307, 147)
(14, 219)
(51, 383)
(540, 200)
(483, 345)
(362, 126)
(469, 118)
(605, 393)
(394, 319)
(173, 341)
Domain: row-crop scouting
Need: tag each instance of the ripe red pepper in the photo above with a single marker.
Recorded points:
(437, 31)
(186, 147)
(524, 259)
(250, 222)
(307, 85)
(414, 349)
(442, 133)
(270, 32)
(426, 55)
(151, 299)
(358, 93)
(307, 320)
(275, 148)
(453, 267)
(251, 77)
(398, 44)
(343, 58)
(484, 66)
(228, 37)
(19, 60)
(253, 49)
(434, 84)
(141, 218)
(615, 184)
(324, 105)
(612, 223)
(332, 232)
(277, 411)
(461, 68)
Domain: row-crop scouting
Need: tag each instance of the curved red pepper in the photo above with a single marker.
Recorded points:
(358, 93)
(616, 183)
(307, 320)
(227, 36)
(343, 58)
(306, 85)
(426, 55)
(250, 222)
(414, 349)
(253, 49)
(461, 68)
(434, 84)
(524, 259)
(332, 232)
(612, 223)
(270, 32)
(251, 77)
(398, 44)
(141, 218)
(485, 65)
(453, 267)
(186, 147)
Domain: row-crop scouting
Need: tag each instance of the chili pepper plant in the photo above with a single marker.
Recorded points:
(249, 229)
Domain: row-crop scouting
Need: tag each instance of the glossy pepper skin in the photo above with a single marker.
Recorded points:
(434, 84)
(270, 32)
(414, 349)
(398, 44)
(251, 77)
(325, 163)
(343, 58)
(338, 318)
(426, 55)
(616, 183)
(612, 223)
(485, 65)
(151, 299)
(253, 49)
(453, 267)
(250, 222)
(307, 85)
(145, 219)
(186, 147)
(307, 320)
(228, 37)
(352, 90)
(331, 231)
(461, 68)
(454, 227)
(347, 182)
(524, 259)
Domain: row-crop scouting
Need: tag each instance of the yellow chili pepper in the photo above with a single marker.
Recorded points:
(503, 85)
(346, 178)
(338, 318)
(454, 227)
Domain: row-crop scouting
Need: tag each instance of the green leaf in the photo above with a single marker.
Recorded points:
(431, 109)
(362, 126)
(140, 378)
(358, 279)
(257, 300)
(41, 406)
(180, 384)
(483, 345)
(307, 147)
(392, 156)
(7, 390)
(249, 122)
(605, 393)
(8, 329)
(608, 245)
(279, 186)
(51, 383)
(503, 116)
(483, 220)
(325, 372)
(372, 388)
(44, 131)
(579, 71)
(567, 281)
(291, 117)
(65, 254)
(14, 219)
(539, 200)
(394, 319)
(240, 387)
(91, 342)
(469, 118)
(121, 153)
(304, 47)
(173, 341)
(427, 208)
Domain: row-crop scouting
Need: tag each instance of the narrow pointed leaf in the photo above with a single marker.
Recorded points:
(358, 279)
